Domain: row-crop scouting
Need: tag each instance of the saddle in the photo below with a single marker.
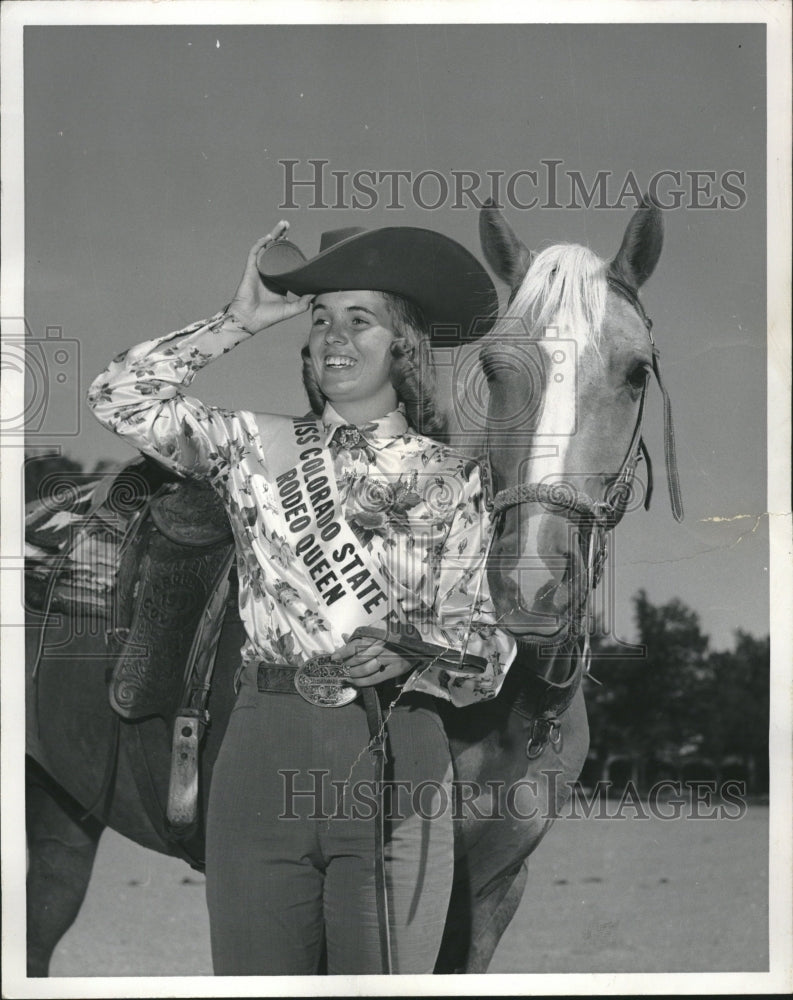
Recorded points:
(192, 515)
(171, 589)
(153, 557)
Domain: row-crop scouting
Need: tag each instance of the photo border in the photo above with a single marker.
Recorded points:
(16, 14)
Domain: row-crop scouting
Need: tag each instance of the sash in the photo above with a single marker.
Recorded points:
(342, 574)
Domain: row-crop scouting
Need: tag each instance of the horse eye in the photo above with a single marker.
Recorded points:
(637, 377)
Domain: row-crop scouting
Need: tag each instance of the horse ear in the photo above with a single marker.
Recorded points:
(509, 258)
(641, 246)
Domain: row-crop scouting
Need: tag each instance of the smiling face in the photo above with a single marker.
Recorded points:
(350, 346)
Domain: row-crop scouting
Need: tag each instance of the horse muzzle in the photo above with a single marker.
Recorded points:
(538, 596)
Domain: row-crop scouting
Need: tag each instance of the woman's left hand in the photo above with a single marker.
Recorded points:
(370, 662)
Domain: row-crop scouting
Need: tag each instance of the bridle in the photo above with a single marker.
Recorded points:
(609, 511)
(598, 517)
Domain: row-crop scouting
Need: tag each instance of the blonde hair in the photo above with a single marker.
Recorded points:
(564, 287)
(412, 370)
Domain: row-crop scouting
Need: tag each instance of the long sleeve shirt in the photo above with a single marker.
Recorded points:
(413, 504)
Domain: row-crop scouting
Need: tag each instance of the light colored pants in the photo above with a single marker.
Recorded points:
(289, 875)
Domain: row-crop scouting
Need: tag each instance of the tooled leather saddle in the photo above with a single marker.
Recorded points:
(171, 590)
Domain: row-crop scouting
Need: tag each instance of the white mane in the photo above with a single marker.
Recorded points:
(564, 287)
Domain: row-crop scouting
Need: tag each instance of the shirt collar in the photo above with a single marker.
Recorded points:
(378, 433)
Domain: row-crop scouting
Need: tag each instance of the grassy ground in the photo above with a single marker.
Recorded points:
(603, 896)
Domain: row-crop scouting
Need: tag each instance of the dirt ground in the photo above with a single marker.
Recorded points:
(630, 895)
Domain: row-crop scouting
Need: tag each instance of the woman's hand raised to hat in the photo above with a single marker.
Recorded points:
(254, 305)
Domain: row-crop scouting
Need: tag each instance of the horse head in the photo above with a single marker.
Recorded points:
(567, 368)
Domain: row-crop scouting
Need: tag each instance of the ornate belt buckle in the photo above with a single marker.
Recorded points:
(323, 681)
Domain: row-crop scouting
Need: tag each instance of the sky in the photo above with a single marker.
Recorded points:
(154, 157)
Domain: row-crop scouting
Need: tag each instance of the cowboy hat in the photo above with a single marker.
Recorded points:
(448, 284)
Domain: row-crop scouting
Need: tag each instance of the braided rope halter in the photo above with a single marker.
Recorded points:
(598, 517)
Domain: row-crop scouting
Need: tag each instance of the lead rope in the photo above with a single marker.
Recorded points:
(377, 746)
(377, 738)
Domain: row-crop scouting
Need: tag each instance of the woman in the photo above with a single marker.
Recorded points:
(361, 544)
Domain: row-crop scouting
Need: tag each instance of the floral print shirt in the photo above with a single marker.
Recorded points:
(415, 506)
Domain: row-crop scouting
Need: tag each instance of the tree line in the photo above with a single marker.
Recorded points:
(674, 708)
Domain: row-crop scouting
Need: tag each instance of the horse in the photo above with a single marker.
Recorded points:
(574, 335)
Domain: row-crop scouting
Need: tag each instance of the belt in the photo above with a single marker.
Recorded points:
(279, 678)
(276, 677)
(321, 679)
